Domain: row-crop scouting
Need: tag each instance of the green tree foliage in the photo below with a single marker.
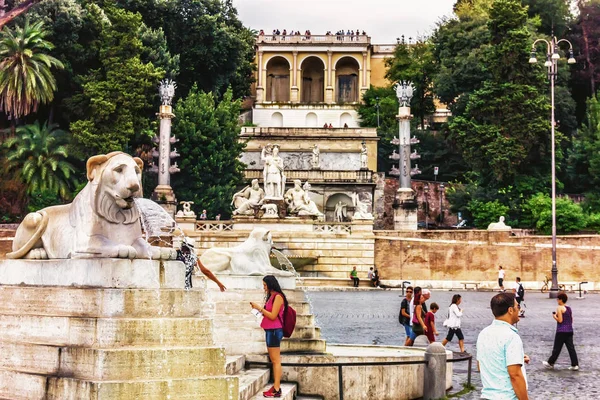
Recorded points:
(216, 50)
(38, 153)
(584, 156)
(388, 126)
(415, 63)
(504, 130)
(459, 46)
(116, 103)
(555, 15)
(210, 149)
(26, 79)
(569, 215)
(487, 212)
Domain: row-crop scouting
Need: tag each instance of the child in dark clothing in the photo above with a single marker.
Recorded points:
(430, 322)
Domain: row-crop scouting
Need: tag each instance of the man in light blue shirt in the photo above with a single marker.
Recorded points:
(500, 356)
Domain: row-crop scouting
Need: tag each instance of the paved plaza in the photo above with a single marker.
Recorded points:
(371, 317)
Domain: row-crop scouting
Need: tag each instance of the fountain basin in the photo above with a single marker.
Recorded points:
(389, 382)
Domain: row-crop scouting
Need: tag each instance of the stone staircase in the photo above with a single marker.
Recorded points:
(239, 332)
(108, 342)
(254, 381)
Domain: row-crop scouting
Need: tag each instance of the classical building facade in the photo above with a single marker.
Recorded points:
(312, 80)
(306, 94)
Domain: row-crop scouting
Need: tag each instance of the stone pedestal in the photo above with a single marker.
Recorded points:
(405, 210)
(164, 195)
(107, 329)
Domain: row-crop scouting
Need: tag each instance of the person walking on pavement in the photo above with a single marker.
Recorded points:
(520, 296)
(501, 278)
(500, 356)
(564, 334)
(453, 323)
(404, 317)
(430, 322)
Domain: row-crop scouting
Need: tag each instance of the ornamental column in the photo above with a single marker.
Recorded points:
(329, 88)
(163, 194)
(260, 90)
(405, 204)
(294, 98)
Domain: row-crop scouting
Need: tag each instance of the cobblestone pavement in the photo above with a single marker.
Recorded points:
(371, 317)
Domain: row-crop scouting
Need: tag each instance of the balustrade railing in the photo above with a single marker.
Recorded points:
(317, 39)
(315, 176)
(340, 228)
(214, 226)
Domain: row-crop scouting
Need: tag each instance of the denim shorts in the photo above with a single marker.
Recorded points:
(273, 337)
(412, 335)
(407, 330)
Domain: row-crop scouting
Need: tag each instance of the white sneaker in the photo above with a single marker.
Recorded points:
(575, 368)
(548, 365)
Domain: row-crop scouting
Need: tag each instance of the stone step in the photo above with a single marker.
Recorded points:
(254, 334)
(251, 381)
(287, 346)
(306, 397)
(231, 307)
(98, 302)
(98, 272)
(22, 386)
(141, 364)
(257, 296)
(288, 391)
(303, 345)
(234, 364)
(28, 358)
(205, 388)
(234, 321)
(106, 332)
(106, 365)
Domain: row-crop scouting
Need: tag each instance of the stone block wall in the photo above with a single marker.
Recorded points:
(446, 258)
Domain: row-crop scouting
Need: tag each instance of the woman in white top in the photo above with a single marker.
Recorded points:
(453, 323)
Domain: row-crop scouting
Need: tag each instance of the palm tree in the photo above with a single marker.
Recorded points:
(26, 79)
(39, 154)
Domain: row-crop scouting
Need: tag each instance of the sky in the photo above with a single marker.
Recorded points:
(383, 20)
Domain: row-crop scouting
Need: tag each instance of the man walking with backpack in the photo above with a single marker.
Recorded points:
(404, 315)
(520, 296)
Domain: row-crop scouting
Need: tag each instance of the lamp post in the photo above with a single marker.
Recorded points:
(426, 191)
(442, 190)
(551, 63)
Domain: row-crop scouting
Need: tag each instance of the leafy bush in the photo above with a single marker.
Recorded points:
(569, 215)
(487, 212)
(39, 200)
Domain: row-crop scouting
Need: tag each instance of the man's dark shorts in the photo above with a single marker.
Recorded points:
(274, 337)
(452, 332)
(500, 282)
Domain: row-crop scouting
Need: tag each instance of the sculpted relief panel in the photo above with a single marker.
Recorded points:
(303, 160)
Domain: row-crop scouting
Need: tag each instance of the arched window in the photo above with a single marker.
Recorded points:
(313, 80)
(311, 120)
(277, 120)
(346, 119)
(278, 80)
(346, 79)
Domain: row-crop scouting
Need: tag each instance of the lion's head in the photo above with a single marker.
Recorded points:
(115, 179)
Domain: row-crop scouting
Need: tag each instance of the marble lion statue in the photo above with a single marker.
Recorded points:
(248, 258)
(101, 222)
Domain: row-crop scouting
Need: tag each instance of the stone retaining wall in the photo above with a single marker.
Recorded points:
(442, 256)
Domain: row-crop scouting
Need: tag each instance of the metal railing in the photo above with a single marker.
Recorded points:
(341, 365)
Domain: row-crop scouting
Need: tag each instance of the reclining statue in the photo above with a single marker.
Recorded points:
(248, 258)
(101, 222)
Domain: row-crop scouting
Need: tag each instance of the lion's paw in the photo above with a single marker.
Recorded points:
(126, 252)
(37, 254)
(163, 253)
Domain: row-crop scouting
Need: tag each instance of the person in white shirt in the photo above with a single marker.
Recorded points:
(453, 323)
(501, 278)
(500, 356)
